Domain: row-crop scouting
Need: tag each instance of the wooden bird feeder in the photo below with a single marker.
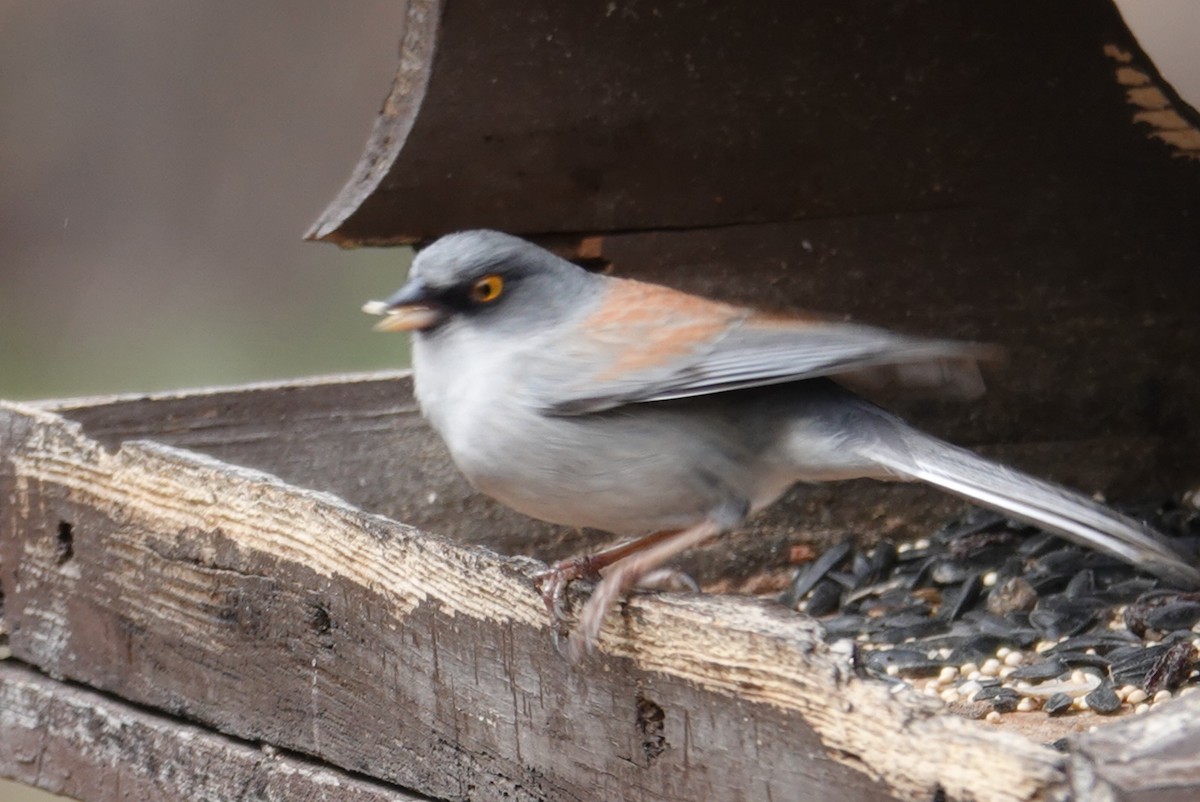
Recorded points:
(287, 592)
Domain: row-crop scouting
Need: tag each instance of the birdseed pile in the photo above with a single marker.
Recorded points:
(996, 617)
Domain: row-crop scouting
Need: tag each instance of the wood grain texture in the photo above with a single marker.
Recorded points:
(72, 741)
(279, 615)
(1141, 759)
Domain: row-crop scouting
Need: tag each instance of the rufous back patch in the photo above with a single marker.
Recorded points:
(648, 326)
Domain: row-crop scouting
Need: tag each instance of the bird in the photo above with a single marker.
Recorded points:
(603, 402)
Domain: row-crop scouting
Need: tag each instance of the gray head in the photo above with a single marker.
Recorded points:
(485, 278)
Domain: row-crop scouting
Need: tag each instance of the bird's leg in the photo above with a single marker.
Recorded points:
(652, 552)
(553, 581)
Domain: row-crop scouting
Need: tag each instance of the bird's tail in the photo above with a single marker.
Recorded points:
(911, 454)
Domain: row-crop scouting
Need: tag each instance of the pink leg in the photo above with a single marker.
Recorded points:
(653, 551)
(553, 582)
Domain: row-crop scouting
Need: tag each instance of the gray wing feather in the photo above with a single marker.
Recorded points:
(753, 356)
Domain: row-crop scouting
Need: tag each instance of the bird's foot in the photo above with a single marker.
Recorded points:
(625, 565)
(552, 584)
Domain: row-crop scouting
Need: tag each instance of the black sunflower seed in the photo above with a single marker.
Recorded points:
(1138, 614)
(1039, 544)
(1103, 699)
(1131, 664)
(1128, 590)
(1083, 584)
(1057, 617)
(1005, 701)
(1103, 643)
(882, 561)
(1084, 660)
(1058, 704)
(1174, 616)
(975, 649)
(957, 601)
(1064, 561)
(1041, 671)
(807, 576)
(906, 662)
(823, 599)
(899, 634)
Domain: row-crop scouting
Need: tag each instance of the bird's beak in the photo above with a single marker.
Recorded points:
(412, 308)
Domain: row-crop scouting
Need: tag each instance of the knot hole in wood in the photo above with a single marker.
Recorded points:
(651, 724)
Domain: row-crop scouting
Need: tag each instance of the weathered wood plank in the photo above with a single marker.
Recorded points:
(362, 438)
(224, 596)
(544, 116)
(75, 742)
(1141, 759)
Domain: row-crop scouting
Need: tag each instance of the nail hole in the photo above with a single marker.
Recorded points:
(66, 542)
(319, 619)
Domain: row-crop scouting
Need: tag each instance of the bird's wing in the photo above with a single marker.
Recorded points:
(647, 343)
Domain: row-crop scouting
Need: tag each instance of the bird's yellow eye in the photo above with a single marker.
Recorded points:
(487, 289)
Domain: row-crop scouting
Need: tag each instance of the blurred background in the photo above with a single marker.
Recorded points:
(158, 166)
(160, 162)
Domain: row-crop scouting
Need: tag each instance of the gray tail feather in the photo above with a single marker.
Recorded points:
(915, 455)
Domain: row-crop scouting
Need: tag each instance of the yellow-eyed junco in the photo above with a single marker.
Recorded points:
(594, 401)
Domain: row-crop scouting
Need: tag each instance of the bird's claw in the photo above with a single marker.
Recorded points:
(552, 584)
